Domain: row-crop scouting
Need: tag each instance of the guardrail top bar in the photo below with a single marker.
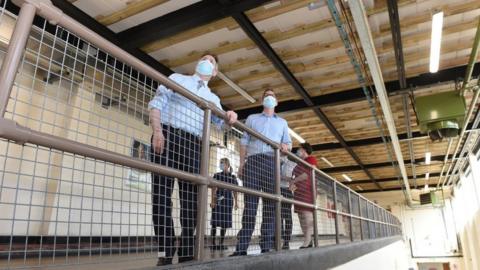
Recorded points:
(56, 16)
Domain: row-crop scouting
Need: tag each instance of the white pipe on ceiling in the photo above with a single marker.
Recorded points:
(363, 29)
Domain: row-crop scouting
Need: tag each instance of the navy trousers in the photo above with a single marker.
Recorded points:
(259, 174)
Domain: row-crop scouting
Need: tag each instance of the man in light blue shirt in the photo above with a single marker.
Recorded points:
(177, 125)
(257, 169)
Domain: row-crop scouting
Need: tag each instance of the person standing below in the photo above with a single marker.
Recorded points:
(302, 187)
(177, 125)
(257, 170)
(223, 201)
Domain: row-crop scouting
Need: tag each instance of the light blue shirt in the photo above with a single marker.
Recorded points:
(178, 111)
(273, 127)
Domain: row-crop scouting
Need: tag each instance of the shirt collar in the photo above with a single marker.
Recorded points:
(274, 115)
(197, 78)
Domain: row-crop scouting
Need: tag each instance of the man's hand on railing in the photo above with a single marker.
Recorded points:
(284, 147)
(158, 142)
(231, 117)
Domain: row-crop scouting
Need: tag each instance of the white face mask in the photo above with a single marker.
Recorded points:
(205, 68)
(269, 102)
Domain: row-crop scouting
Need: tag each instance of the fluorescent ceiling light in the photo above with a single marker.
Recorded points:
(427, 176)
(347, 178)
(436, 41)
(236, 87)
(426, 187)
(327, 161)
(295, 135)
(428, 157)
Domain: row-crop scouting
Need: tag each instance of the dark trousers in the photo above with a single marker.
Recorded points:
(286, 215)
(259, 174)
(182, 152)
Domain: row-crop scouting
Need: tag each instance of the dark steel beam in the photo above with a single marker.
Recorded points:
(384, 190)
(378, 165)
(361, 142)
(267, 50)
(397, 42)
(382, 180)
(356, 94)
(186, 18)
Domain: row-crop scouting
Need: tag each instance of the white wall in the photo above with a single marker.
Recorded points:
(391, 257)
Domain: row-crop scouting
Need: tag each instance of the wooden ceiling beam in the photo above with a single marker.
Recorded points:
(132, 8)
(271, 36)
(256, 15)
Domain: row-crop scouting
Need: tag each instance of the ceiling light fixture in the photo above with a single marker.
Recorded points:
(327, 161)
(295, 135)
(428, 158)
(347, 178)
(236, 87)
(436, 41)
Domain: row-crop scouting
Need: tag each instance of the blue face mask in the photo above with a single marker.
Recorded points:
(205, 68)
(269, 102)
(222, 167)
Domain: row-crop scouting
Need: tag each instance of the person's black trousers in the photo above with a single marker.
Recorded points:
(182, 151)
(287, 221)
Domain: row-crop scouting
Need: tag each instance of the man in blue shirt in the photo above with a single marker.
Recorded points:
(177, 124)
(257, 169)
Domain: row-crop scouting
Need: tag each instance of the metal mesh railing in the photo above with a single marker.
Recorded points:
(83, 180)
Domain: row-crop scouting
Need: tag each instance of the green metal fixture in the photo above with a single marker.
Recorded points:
(441, 115)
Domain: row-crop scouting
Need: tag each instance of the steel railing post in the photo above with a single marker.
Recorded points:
(14, 54)
(202, 198)
(278, 203)
(315, 218)
(350, 211)
(337, 238)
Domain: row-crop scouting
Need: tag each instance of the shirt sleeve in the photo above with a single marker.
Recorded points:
(246, 137)
(286, 135)
(163, 94)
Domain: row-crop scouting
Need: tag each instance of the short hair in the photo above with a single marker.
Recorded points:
(211, 54)
(307, 147)
(267, 90)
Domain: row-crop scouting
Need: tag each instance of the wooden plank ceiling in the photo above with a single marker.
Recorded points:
(308, 42)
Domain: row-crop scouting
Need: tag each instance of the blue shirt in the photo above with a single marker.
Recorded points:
(178, 111)
(273, 127)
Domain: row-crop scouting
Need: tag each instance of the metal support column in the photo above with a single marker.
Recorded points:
(278, 203)
(360, 214)
(14, 54)
(350, 211)
(315, 218)
(202, 198)
(337, 239)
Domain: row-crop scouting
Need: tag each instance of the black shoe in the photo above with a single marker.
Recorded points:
(309, 246)
(265, 250)
(185, 259)
(238, 253)
(286, 246)
(164, 261)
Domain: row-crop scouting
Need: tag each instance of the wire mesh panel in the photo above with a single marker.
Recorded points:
(356, 223)
(364, 223)
(325, 219)
(61, 206)
(344, 220)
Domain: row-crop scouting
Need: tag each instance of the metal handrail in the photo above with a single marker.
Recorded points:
(9, 129)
